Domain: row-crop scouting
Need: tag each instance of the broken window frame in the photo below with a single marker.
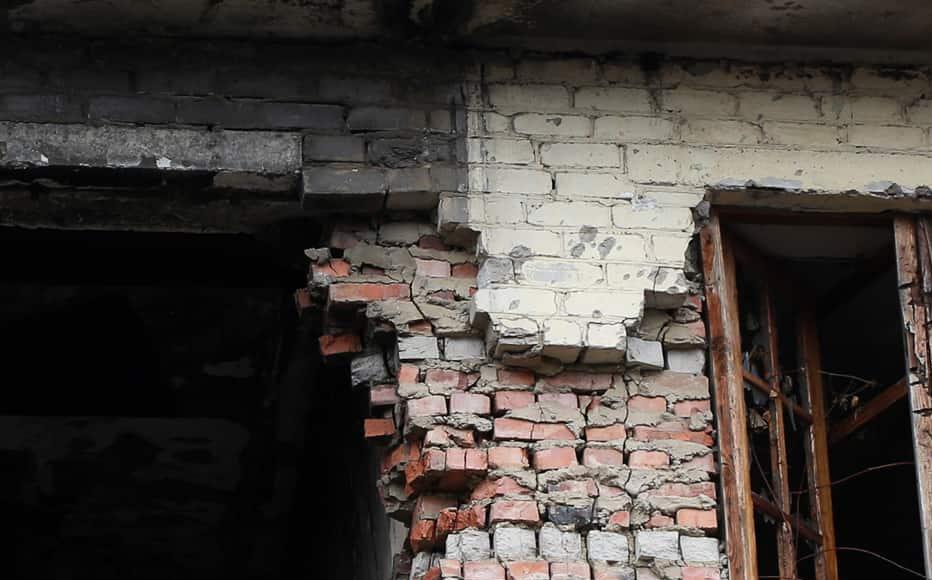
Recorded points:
(720, 252)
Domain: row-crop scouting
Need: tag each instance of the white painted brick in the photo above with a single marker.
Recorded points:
(880, 110)
(607, 546)
(622, 99)
(561, 332)
(463, 348)
(562, 274)
(637, 216)
(503, 210)
(523, 97)
(496, 123)
(559, 546)
(600, 335)
(568, 213)
(680, 197)
(580, 154)
(506, 180)
(836, 107)
(720, 131)
(903, 138)
(539, 242)
(571, 70)
(690, 361)
(511, 543)
(920, 112)
(644, 353)
(695, 102)
(496, 72)
(828, 171)
(631, 276)
(879, 79)
(517, 151)
(513, 300)
(661, 545)
(653, 163)
(779, 106)
(597, 303)
(609, 185)
(670, 249)
(605, 246)
(697, 550)
(623, 72)
(804, 134)
(560, 125)
(634, 129)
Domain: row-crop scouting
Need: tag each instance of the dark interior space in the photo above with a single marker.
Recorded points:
(166, 414)
(850, 274)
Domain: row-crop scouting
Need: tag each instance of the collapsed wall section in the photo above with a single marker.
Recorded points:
(598, 472)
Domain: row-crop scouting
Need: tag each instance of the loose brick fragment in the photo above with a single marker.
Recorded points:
(334, 344)
(509, 400)
(693, 518)
(470, 403)
(379, 428)
(483, 570)
(465, 270)
(366, 292)
(524, 512)
(422, 535)
(383, 395)
(555, 458)
(539, 570)
(427, 406)
(600, 456)
(335, 268)
(648, 459)
(512, 429)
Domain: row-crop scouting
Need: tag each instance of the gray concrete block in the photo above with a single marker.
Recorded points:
(417, 348)
(334, 148)
(464, 348)
(644, 353)
(149, 147)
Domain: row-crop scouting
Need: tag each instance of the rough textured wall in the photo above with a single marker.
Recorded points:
(583, 176)
(599, 472)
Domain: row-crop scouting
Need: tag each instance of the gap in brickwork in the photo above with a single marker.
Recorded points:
(165, 416)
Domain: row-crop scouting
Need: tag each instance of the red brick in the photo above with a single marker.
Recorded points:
(552, 432)
(476, 460)
(444, 436)
(569, 571)
(432, 243)
(508, 458)
(508, 400)
(514, 511)
(336, 268)
(432, 268)
(648, 459)
(700, 573)
(427, 406)
(456, 459)
(703, 462)
(658, 520)
(470, 403)
(422, 535)
(331, 344)
(444, 378)
(610, 572)
(516, 377)
(620, 519)
(687, 408)
(566, 399)
(513, 429)
(408, 374)
(465, 270)
(431, 463)
(539, 570)
(483, 570)
(379, 427)
(395, 457)
(302, 300)
(599, 456)
(555, 458)
(687, 489)
(446, 524)
(649, 404)
(422, 327)
(498, 487)
(692, 518)
(383, 395)
(451, 568)
(671, 430)
(368, 292)
(579, 381)
(432, 574)
(609, 433)
(473, 517)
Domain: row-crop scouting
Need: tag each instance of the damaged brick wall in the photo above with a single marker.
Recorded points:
(597, 472)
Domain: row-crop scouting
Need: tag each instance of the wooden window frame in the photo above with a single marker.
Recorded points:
(913, 238)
